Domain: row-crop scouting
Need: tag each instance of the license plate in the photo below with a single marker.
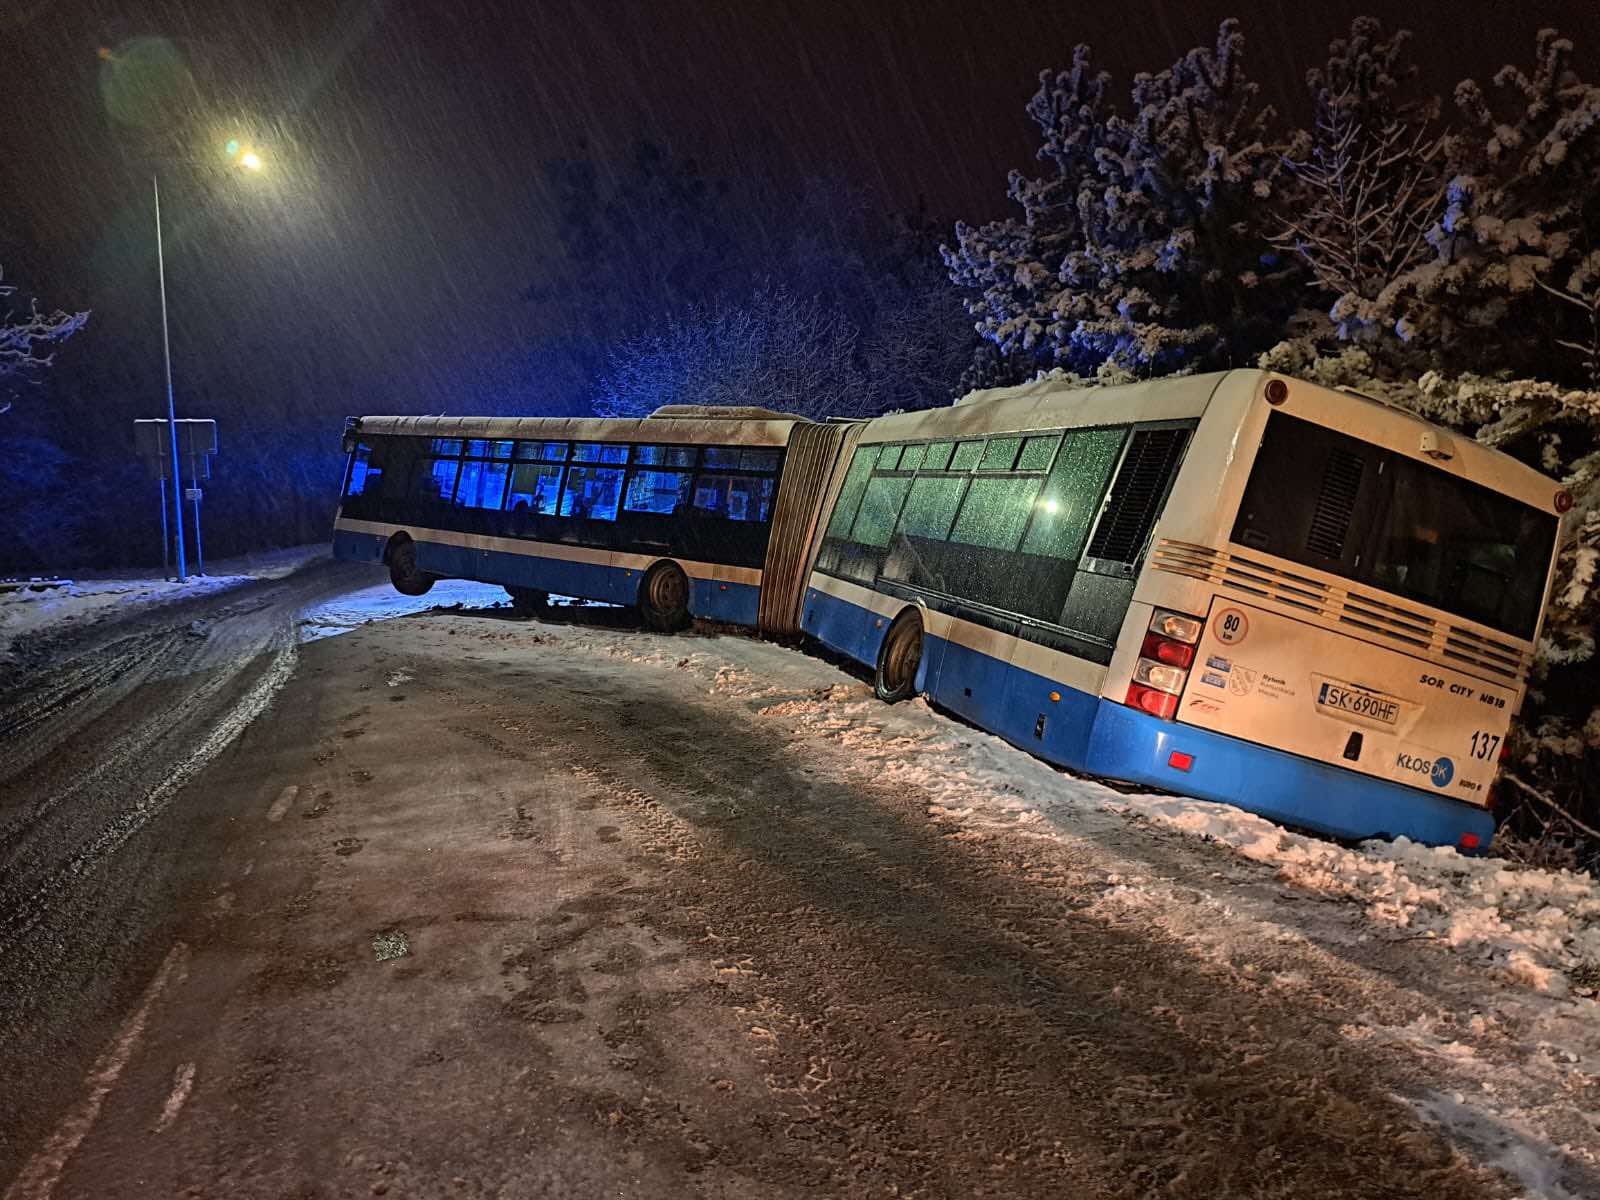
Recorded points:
(1347, 700)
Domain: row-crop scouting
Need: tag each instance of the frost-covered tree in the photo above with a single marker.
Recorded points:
(1145, 242)
(768, 349)
(1017, 271)
(1369, 183)
(1522, 217)
(25, 339)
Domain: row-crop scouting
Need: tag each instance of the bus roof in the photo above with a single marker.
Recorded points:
(696, 430)
(1051, 404)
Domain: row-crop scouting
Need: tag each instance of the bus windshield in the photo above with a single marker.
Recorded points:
(1331, 501)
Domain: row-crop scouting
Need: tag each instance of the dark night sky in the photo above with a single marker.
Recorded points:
(382, 253)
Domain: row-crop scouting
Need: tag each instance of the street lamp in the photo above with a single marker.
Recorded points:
(252, 161)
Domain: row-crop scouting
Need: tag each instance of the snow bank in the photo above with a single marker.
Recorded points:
(88, 599)
(1535, 925)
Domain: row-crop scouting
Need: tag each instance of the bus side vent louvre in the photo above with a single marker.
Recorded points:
(1135, 498)
(1336, 504)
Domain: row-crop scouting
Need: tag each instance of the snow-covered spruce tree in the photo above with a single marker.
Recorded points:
(23, 338)
(768, 349)
(1177, 258)
(1146, 243)
(1368, 182)
(1015, 270)
(1520, 227)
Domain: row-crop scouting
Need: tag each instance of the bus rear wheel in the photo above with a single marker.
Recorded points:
(403, 572)
(529, 602)
(664, 598)
(898, 660)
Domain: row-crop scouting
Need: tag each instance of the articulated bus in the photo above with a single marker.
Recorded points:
(684, 513)
(1234, 586)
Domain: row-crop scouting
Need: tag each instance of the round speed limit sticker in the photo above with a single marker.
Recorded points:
(1232, 626)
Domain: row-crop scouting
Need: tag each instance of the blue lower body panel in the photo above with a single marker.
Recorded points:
(1134, 746)
(1089, 733)
(358, 547)
(735, 603)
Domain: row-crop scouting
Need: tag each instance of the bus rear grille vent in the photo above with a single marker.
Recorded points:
(1136, 496)
(1336, 504)
(1379, 616)
(1377, 620)
(1465, 646)
(1247, 575)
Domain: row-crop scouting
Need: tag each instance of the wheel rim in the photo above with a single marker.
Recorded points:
(901, 657)
(669, 591)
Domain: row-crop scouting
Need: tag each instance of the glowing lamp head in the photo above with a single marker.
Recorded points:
(250, 160)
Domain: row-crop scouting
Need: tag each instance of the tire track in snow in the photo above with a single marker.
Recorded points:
(22, 909)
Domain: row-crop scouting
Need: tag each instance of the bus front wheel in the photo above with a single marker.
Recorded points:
(898, 659)
(403, 572)
(664, 598)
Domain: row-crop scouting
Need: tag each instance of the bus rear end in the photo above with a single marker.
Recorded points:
(1335, 619)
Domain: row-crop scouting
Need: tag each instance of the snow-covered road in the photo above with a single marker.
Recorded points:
(709, 920)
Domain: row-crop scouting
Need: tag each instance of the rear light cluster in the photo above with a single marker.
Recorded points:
(1164, 661)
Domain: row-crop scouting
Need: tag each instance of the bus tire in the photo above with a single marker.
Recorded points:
(403, 572)
(529, 602)
(664, 598)
(899, 659)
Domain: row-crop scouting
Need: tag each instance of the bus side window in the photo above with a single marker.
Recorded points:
(592, 493)
(434, 480)
(735, 497)
(657, 491)
(535, 487)
(1072, 493)
(851, 490)
(365, 471)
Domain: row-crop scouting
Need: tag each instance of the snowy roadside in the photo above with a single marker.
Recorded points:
(93, 598)
(1538, 928)
(1477, 972)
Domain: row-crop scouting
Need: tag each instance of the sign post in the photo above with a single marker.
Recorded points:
(197, 443)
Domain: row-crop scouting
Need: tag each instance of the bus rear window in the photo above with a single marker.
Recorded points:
(1328, 500)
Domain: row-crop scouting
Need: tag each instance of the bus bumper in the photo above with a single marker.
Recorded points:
(1129, 745)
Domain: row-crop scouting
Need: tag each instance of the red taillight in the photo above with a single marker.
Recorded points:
(1152, 700)
(1469, 841)
(1165, 650)
(1180, 761)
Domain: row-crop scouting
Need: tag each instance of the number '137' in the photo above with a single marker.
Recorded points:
(1485, 744)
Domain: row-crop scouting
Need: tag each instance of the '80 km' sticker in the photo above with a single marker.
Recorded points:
(1232, 626)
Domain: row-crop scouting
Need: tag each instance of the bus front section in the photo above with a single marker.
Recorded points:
(1335, 619)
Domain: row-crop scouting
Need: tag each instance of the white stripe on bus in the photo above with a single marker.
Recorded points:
(1076, 673)
(716, 572)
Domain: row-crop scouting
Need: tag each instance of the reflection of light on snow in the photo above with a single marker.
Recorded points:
(382, 603)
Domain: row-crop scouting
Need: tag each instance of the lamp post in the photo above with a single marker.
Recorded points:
(172, 415)
(251, 161)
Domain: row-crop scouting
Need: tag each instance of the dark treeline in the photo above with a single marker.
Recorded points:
(665, 283)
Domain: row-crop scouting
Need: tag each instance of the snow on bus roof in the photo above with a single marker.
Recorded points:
(763, 430)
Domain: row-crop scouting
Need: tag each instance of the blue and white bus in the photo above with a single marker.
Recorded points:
(1235, 586)
(684, 514)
